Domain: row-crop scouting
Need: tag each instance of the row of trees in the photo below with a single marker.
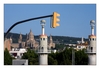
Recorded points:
(65, 57)
(59, 58)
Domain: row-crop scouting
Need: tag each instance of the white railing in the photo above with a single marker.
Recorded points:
(89, 51)
(44, 51)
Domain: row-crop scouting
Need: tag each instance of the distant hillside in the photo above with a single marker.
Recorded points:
(56, 39)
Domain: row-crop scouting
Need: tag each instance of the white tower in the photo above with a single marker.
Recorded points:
(91, 50)
(82, 41)
(43, 48)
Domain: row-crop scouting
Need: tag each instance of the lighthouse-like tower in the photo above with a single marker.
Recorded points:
(43, 48)
(91, 50)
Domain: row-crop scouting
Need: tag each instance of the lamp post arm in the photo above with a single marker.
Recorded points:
(25, 21)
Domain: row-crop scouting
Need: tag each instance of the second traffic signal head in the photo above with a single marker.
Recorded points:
(55, 19)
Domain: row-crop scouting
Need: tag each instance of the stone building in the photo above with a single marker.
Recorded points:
(51, 44)
(30, 42)
(7, 44)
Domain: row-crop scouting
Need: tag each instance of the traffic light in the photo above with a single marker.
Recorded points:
(55, 20)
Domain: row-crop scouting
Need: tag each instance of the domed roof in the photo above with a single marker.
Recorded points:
(92, 36)
(31, 37)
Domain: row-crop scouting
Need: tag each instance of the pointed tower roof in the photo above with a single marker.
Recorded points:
(20, 36)
(26, 36)
(31, 36)
(11, 37)
(30, 30)
(51, 38)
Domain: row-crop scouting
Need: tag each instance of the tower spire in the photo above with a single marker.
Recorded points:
(20, 38)
(51, 38)
(91, 49)
(92, 23)
(82, 41)
(26, 36)
(42, 24)
(30, 30)
(43, 47)
(11, 38)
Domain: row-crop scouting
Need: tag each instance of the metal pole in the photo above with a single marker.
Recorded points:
(23, 22)
(73, 57)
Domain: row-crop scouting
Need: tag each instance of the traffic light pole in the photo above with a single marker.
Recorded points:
(25, 21)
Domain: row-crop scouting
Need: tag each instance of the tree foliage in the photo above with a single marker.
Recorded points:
(31, 56)
(59, 58)
(7, 58)
(81, 58)
(52, 61)
(65, 57)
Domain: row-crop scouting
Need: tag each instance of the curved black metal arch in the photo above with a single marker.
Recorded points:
(23, 22)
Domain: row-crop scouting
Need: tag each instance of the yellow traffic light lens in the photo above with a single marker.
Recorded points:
(58, 20)
(57, 14)
(57, 24)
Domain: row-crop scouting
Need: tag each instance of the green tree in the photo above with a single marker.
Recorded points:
(59, 58)
(52, 61)
(81, 58)
(7, 58)
(31, 56)
(65, 57)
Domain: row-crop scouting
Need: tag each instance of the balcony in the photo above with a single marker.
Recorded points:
(90, 52)
(43, 51)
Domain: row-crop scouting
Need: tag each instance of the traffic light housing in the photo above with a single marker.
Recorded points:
(55, 20)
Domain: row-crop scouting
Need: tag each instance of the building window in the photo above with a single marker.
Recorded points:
(43, 38)
(42, 48)
(79, 46)
(91, 49)
(93, 39)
